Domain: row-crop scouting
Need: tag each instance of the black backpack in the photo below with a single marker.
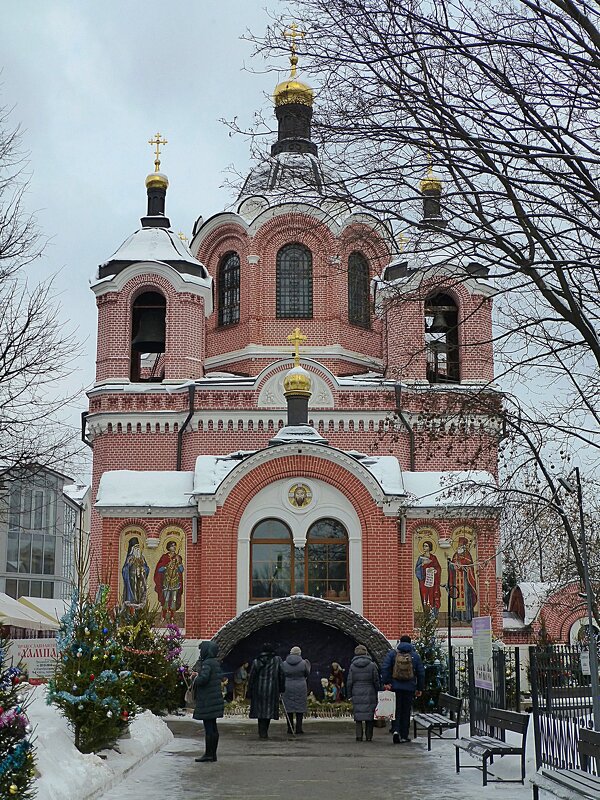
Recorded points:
(403, 667)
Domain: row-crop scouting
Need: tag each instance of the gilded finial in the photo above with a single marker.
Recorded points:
(156, 142)
(296, 338)
(292, 33)
(430, 183)
(402, 241)
(182, 236)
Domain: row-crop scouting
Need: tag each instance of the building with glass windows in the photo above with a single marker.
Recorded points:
(280, 442)
(44, 515)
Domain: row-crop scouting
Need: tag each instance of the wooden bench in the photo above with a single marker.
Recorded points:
(436, 724)
(486, 747)
(568, 782)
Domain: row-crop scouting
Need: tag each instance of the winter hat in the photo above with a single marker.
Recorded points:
(295, 651)
(360, 650)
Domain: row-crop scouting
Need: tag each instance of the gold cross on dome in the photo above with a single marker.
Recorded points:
(296, 338)
(156, 142)
(182, 236)
(292, 33)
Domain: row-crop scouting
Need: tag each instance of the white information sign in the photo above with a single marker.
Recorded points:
(482, 653)
(38, 655)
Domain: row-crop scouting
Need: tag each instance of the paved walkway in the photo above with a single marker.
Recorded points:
(324, 764)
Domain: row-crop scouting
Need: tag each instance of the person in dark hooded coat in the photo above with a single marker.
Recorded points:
(265, 683)
(362, 685)
(209, 703)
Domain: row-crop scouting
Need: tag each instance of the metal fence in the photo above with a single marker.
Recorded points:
(507, 684)
(562, 703)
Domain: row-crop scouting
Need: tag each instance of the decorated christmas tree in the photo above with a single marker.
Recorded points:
(16, 751)
(153, 657)
(428, 645)
(92, 686)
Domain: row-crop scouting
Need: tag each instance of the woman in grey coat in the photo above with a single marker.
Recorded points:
(208, 697)
(265, 683)
(297, 670)
(362, 685)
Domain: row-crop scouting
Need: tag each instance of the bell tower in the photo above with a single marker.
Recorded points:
(153, 298)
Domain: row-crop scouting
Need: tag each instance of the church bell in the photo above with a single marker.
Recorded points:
(439, 323)
(150, 336)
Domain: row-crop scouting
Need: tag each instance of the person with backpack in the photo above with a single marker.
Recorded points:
(403, 673)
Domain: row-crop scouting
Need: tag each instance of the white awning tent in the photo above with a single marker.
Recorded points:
(52, 608)
(20, 616)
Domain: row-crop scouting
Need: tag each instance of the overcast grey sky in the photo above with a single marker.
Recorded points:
(90, 83)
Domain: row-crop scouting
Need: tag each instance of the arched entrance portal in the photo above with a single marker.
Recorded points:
(325, 631)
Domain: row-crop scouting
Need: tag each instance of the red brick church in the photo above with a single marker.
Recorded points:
(280, 447)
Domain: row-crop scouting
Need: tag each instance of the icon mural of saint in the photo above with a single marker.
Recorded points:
(168, 581)
(428, 572)
(135, 575)
(461, 577)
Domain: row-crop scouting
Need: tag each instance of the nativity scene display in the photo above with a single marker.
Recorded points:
(445, 577)
(153, 575)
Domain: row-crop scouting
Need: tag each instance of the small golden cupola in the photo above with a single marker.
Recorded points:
(297, 385)
(297, 381)
(431, 190)
(157, 184)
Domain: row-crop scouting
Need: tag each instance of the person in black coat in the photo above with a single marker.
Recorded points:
(265, 684)
(209, 703)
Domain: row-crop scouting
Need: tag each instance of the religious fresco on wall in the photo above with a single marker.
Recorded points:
(436, 568)
(153, 574)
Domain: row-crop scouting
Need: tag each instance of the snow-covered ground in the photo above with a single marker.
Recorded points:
(67, 774)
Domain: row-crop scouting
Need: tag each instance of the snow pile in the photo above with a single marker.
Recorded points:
(67, 774)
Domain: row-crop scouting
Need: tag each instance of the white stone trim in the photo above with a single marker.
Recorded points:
(323, 452)
(276, 353)
(98, 422)
(181, 282)
(268, 503)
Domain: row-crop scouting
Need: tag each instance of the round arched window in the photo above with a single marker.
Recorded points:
(271, 560)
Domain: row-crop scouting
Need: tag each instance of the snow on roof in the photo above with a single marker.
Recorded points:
(155, 244)
(76, 492)
(512, 621)
(158, 489)
(297, 433)
(211, 471)
(387, 472)
(453, 488)
(534, 593)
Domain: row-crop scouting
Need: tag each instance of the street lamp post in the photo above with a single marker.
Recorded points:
(451, 589)
(593, 645)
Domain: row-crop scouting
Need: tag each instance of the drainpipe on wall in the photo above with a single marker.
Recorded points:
(180, 432)
(405, 422)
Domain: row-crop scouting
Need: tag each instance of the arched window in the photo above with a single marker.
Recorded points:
(278, 569)
(148, 337)
(271, 561)
(441, 339)
(228, 282)
(358, 290)
(327, 560)
(294, 282)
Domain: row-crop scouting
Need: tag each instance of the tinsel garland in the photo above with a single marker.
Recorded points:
(90, 694)
(11, 716)
(15, 760)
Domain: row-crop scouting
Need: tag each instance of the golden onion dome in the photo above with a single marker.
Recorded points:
(293, 91)
(431, 183)
(157, 180)
(297, 382)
